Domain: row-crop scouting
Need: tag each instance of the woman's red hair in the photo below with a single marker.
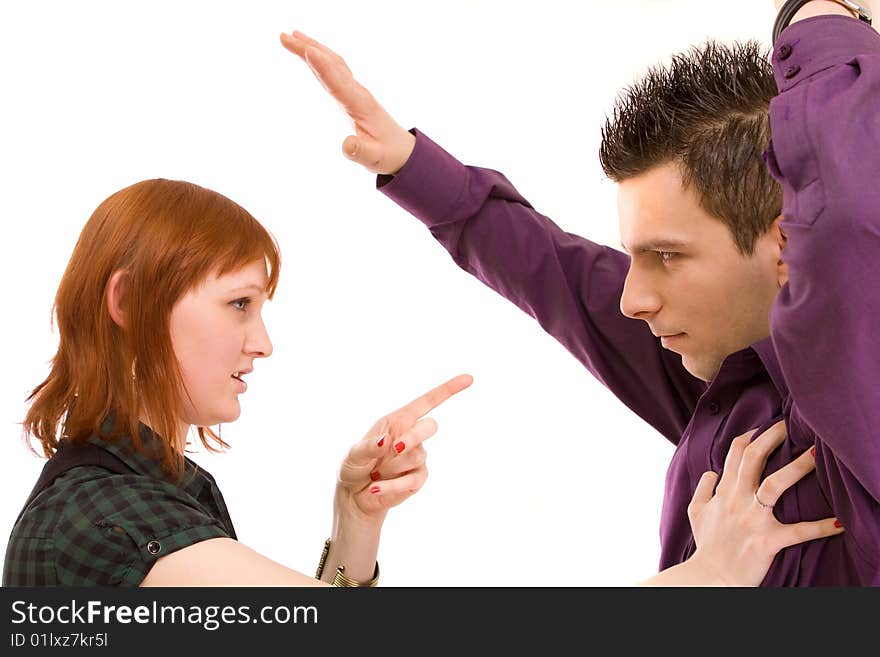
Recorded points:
(168, 235)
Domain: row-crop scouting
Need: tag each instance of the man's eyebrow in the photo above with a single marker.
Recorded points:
(656, 245)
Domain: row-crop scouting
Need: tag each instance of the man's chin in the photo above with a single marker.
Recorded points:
(699, 368)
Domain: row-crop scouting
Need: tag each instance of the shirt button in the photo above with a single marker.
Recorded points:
(791, 71)
(153, 547)
(784, 51)
(714, 407)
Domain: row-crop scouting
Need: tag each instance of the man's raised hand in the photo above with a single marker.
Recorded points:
(379, 143)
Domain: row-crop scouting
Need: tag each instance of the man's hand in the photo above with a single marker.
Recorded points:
(379, 143)
(817, 8)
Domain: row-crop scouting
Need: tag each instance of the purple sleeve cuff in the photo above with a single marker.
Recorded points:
(817, 43)
(429, 185)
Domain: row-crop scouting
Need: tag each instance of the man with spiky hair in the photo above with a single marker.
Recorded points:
(748, 293)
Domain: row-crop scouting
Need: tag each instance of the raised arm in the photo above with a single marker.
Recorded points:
(826, 320)
(570, 285)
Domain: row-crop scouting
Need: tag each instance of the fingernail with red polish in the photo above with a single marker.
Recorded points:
(381, 440)
(838, 524)
(399, 447)
(813, 452)
(374, 489)
(374, 475)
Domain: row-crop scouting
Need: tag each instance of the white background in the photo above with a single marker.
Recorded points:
(539, 476)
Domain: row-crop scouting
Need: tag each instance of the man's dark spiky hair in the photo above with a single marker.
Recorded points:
(709, 111)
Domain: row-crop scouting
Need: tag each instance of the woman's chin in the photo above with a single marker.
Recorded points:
(220, 417)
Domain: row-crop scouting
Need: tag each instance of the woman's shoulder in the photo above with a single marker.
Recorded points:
(92, 526)
(92, 491)
(86, 499)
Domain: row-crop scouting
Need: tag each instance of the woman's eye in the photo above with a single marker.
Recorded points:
(666, 256)
(244, 304)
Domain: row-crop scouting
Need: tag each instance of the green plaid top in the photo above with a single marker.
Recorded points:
(93, 527)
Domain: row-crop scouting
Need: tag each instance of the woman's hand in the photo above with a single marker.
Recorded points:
(388, 465)
(380, 144)
(736, 533)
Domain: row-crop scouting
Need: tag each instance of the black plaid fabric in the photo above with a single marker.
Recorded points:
(93, 527)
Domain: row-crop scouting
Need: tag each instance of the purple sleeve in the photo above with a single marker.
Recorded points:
(825, 323)
(570, 285)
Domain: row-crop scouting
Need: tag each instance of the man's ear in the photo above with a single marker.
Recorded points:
(780, 239)
(116, 289)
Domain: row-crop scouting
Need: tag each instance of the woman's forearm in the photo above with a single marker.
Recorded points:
(354, 544)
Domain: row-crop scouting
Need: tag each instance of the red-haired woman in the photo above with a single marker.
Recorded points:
(159, 316)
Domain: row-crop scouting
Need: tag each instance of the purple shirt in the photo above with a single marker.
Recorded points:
(819, 367)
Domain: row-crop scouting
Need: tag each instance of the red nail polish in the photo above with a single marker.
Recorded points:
(838, 524)
(374, 475)
(399, 447)
(374, 489)
(381, 440)
(813, 452)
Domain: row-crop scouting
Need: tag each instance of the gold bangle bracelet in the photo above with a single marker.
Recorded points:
(323, 559)
(340, 578)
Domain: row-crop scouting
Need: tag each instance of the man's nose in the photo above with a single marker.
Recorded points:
(639, 299)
